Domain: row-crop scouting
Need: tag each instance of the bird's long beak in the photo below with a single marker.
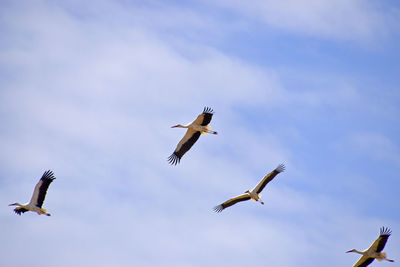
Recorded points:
(349, 251)
(174, 126)
(11, 204)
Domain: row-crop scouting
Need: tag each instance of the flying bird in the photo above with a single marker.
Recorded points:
(374, 251)
(38, 196)
(255, 193)
(194, 129)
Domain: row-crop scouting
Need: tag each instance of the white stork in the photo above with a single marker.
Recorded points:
(38, 196)
(194, 130)
(255, 193)
(374, 251)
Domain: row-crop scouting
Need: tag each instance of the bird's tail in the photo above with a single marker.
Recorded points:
(207, 130)
(382, 256)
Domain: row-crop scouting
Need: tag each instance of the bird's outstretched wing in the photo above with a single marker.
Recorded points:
(231, 202)
(41, 187)
(267, 178)
(380, 242)
(183, 146)
(204, 118)
(363, 261)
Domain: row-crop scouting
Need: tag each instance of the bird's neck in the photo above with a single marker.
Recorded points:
(359, 252)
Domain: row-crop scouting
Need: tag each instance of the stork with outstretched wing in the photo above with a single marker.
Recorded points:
(255, 193)
(38, 196)
(194, 129)
(374, 251)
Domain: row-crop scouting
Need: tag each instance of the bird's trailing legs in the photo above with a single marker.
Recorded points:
(44, 211)
(389, 260)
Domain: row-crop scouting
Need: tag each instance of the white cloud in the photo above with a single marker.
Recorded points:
(94, 102)
(348, 20)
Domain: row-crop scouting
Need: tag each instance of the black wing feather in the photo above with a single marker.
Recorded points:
(47, 178)
(366, 262)
(384, 235)
(20, 210)
(175, 158)
(224, 205)
(208, 113)
(271, 175)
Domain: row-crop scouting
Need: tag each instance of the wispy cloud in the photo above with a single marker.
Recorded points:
(345, 20)
(90, 91)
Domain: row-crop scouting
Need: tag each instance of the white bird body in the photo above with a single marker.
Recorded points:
(254, 194)
(194, 129)
(371, 253)
(203, 129)
(374, 251)
(38, 196)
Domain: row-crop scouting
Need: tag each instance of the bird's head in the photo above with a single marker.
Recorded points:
(15, 204)
(351, 250)
(247, 191)
(176, 126)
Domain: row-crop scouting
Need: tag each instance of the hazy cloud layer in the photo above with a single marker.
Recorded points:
(91, 90)
(344, 20)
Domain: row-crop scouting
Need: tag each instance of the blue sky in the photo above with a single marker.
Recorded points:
(90, 91)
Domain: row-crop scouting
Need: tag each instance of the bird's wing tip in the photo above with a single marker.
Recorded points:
(17, 212)
(281, 167)
(208, 110)
(218, 208)
(385, 231)
(173, 159)
(49, 175)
